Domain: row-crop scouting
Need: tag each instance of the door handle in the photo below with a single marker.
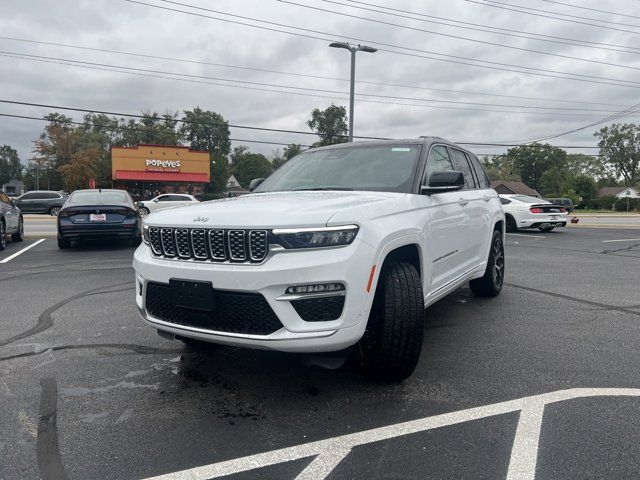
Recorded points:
(463, 201)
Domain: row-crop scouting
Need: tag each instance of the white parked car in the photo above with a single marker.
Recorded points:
(522, 211)
(343, 245)
(164, 201)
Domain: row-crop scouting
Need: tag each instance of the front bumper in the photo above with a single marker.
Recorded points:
(349, 265)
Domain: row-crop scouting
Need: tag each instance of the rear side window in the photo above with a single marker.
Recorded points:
(438, 161)
(52, 195)
(461, 164)
(504, 201)
(481, 175)
(179, 198)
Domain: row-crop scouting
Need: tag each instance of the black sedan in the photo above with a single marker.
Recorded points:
(98, 214)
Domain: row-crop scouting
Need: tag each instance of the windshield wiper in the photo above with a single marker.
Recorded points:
(346, 189)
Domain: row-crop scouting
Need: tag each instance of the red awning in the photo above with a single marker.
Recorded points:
(161, 176)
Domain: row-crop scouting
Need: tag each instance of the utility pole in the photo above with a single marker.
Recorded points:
(353, 49)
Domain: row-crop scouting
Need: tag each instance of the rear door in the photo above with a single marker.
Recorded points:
(448, 226)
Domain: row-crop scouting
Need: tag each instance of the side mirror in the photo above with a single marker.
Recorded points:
(155, 200)
(254, 183)
(443, 181)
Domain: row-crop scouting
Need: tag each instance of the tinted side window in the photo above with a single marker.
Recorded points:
(178, 198)
(438, 161)
(460, 164)
(480, 173)
(51, 195)
(504, 201)
(164, 198)
(29, 196)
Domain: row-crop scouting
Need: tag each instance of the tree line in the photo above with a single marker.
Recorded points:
(555, 173)
(67, 154)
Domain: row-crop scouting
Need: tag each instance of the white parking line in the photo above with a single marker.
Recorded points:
(622, 240)
(330, 452)
(524, 235)
(20, 252)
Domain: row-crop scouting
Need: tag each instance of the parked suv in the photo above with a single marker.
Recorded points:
(41, 201)
(343, 245)
(11, 222)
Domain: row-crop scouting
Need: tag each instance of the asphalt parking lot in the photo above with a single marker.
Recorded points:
(540, 382)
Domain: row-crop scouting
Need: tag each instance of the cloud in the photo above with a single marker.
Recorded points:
(124, 26)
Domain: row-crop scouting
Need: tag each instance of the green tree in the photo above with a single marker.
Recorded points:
(583, 185)
(330, 125)
(10, 166)
(250, 166)
(239, 153)
(532, 161)
(500, 167)
(620, 151)
(220, 172)
(290, 151)
(206, 130)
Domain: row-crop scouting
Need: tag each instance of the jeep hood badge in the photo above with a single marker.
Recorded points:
(201, 219)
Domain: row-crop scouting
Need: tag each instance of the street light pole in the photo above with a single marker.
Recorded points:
(353, 49)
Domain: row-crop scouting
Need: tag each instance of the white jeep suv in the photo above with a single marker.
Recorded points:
(343, 245)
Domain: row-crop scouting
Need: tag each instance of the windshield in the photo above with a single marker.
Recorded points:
(378, 168)
(98, 198)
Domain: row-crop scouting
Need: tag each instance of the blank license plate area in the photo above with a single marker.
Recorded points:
(98, 217)
(188, 294)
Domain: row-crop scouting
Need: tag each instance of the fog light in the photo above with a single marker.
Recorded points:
(317, 288)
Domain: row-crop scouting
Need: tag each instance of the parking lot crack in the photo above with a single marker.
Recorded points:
(47, 447)
(45, 320)
(602, 306)
(139, 349)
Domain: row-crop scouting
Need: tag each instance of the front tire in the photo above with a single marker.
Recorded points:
(62, 243)
(19, 235)
(490, 284)
(512, 226)
(391, 345)
(3, 235)
(144, 211)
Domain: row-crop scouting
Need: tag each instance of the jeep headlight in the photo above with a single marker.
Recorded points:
(145, 233)
(315, 237)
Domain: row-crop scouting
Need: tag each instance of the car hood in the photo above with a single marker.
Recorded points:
(271, 210)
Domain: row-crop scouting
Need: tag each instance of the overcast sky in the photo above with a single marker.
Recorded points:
(122, 26)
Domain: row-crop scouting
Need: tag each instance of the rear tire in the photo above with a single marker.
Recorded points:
(62, 243)
(53, 211)
(391, 345)
(19, 235)
(511, 224)
(490, 284)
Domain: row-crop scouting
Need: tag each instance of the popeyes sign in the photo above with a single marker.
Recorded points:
(162, 165)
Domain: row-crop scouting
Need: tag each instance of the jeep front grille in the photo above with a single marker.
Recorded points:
(217, 245)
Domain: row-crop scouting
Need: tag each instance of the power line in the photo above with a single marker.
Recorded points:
(457, 37)
(133, 115)
(462, 60)
(510, 32)
(564, 14)
(508, 6)
(297, 74)
(124, 127)
(195, 79)
(591, 9)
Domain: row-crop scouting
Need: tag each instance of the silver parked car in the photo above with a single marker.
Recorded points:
(11, 222)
